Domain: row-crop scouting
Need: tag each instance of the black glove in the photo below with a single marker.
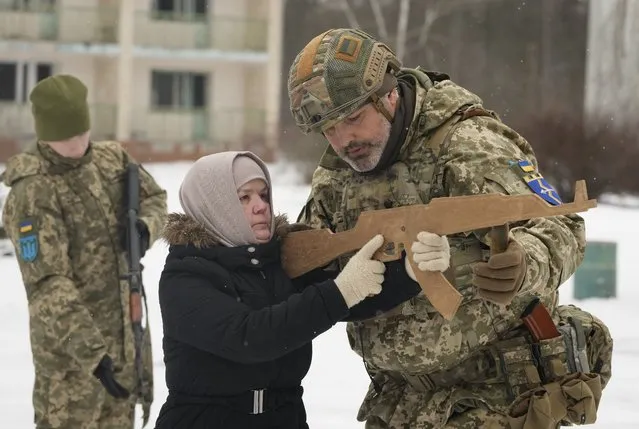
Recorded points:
(104, 373)
(142, 235)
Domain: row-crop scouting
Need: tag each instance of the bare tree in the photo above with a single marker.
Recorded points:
(410, 34)
(402, 27)
(612, 63)
(350, 14)
(380, 21)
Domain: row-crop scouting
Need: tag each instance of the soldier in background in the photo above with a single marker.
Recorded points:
(64, 215)
(401, 136)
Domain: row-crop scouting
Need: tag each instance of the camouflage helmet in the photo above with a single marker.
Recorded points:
(335, 74)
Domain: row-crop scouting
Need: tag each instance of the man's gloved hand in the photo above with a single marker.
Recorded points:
(499, 279)
(142, 235)
(362, 276)
(104, 373)
(431, 252)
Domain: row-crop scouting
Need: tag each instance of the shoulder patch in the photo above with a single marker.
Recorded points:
(348, 48)
(28, 240)
(536, 182)
(525, 166)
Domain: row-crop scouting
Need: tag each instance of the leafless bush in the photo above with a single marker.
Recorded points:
(303, 150)
(602, 153)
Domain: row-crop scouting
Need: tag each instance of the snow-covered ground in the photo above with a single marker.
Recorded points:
(337, 381)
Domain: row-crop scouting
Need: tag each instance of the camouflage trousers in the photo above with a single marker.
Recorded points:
(399, 406)
(79, 402)
(472, 419)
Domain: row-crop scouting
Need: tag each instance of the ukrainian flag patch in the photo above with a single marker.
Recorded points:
(26, 226)
(28, 240)
(535, 181)
(541, 187)
(526, 166)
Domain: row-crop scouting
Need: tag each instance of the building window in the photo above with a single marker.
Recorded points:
(43, 71)
(182, 10)
(178, 90)
(29, 5)
(18, 78)
(8, 84)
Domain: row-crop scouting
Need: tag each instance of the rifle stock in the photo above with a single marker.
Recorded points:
(303, 251)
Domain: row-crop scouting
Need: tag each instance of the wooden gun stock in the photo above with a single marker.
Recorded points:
(303, 251)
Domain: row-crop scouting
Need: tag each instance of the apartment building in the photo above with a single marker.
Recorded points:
(173, 73)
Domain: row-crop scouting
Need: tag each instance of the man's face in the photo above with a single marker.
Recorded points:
(360, 138)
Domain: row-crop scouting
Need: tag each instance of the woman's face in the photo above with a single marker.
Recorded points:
(254, 197)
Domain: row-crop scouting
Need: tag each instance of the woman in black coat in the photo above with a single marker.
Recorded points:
(237, 330)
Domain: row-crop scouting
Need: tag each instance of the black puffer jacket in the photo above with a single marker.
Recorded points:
(234, 323)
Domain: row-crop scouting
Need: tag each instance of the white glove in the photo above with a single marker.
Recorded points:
(431, 252)
(362, 276)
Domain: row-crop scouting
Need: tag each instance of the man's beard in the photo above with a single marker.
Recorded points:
(375, 149)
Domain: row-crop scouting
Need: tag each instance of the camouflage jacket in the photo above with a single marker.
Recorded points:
(72, 211)
(476, 154)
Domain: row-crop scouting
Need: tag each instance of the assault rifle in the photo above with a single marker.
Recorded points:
(303, 251)
(134, 276)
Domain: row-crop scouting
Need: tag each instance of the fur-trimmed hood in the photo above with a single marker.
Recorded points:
(181, 229)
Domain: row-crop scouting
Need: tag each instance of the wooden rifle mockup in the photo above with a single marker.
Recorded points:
(303, 251)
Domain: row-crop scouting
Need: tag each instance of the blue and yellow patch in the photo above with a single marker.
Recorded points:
(526, 166)
(28, 240)
(537, 183)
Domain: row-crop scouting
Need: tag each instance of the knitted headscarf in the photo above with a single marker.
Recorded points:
(208, 194)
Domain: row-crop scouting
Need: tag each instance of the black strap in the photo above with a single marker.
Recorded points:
(245, 403)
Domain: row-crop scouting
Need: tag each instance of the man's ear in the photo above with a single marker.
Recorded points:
(393, 97)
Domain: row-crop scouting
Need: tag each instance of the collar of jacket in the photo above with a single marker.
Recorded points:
(399, 128)
(60, 164)
(188, 238)
(252, 257)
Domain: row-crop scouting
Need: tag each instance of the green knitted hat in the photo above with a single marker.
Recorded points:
(60, 109)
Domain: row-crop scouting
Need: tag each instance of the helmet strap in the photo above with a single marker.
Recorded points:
(377, 102)
(389, 83)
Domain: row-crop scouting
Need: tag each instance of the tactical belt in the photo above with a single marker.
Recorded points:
(479, 368)
(251, 402)
(517, 363)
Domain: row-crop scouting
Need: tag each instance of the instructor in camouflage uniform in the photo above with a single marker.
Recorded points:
(64, 215)
(399, 136)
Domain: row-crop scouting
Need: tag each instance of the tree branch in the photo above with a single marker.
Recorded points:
(440, 9)
(430, 16)
(350, 15)
(379, 19)
(402, 28)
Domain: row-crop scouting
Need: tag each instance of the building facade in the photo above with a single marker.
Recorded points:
(171, 75)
